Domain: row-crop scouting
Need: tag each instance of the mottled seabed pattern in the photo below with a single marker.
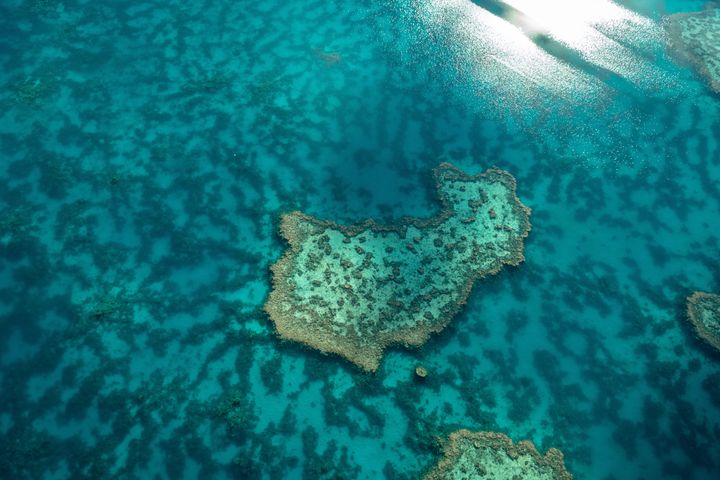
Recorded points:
(148, 151)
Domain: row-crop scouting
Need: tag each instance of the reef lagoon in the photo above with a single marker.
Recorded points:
(201, 202)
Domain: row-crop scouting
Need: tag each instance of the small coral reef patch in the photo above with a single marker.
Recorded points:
(704, 313)
(354, 290)
(695, 38)
(479, 455)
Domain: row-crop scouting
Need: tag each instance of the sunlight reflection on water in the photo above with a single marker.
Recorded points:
(602, 32)
(562, 47)
(493, 55)
(573, 75)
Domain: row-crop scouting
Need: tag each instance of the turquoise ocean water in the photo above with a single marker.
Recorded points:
(148, 148)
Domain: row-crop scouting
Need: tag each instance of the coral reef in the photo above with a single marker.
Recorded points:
(695, 38)
(355, 290)
(703, 310)
(470, 455)
(234, 408)
(32, 90)
(208, 82)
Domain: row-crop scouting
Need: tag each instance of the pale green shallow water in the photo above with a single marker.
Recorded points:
(148, 149)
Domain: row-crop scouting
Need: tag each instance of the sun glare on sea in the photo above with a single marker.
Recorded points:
(573, 22)
(569, 48)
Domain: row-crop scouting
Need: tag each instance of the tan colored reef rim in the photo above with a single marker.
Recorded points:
(695, 316)
(452, 451)
(368, 357)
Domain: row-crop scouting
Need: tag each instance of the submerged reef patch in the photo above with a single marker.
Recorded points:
(473, 455)
(704, 313)
(695, 38)
(354, 290)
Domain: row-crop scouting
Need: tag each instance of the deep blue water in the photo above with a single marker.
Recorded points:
(147, 150)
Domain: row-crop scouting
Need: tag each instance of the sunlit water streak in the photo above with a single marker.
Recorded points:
(584, 83)
(498, 55)
(604, 33)
(506, 55)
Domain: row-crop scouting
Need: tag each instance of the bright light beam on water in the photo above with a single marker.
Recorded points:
(547, 63)
(573, 20)
(498, 55)
(564, 47)
(597, 29)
